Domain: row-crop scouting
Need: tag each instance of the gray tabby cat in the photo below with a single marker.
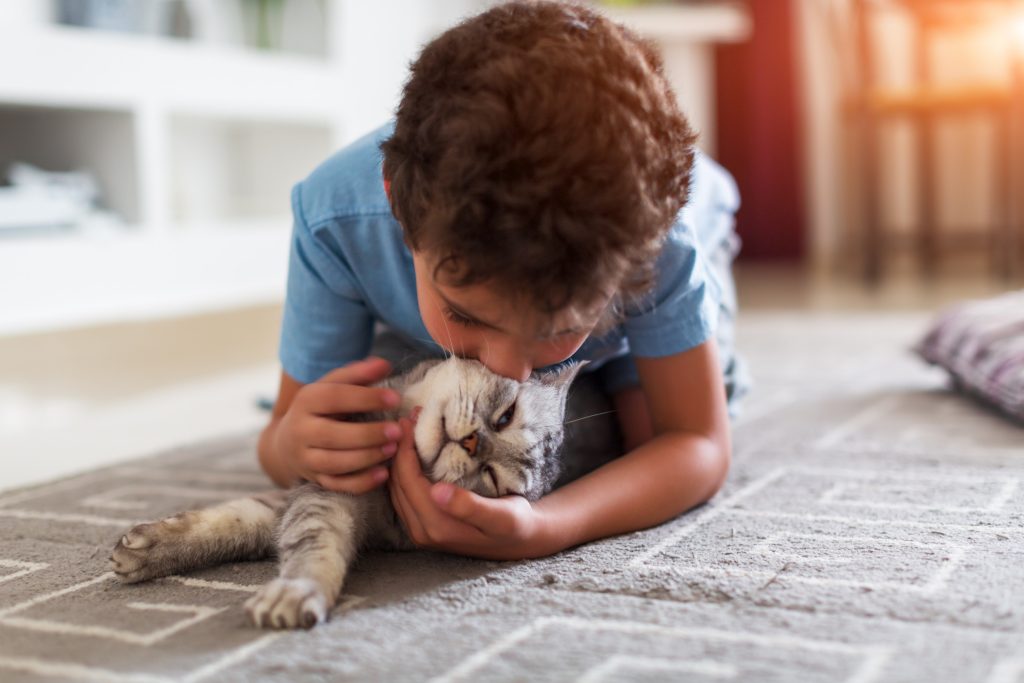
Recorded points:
(492, 435)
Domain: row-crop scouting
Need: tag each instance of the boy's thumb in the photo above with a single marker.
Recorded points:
(442, 493)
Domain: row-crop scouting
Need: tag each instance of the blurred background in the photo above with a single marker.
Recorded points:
(147, 150)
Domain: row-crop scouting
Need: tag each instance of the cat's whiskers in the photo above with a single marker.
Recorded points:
(447, 331)
(585, 417)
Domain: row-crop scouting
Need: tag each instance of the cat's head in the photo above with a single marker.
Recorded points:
(490, 434)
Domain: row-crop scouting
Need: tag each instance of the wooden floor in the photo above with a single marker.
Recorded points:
(769, 287)
(72, 401)
(75, 400)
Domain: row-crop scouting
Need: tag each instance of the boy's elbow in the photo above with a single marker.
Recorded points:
(715, 463)
(721, 462)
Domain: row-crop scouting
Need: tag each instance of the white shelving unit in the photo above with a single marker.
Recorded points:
(175, 133)
(195, 145)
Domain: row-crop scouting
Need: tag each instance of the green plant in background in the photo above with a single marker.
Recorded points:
(263, 23)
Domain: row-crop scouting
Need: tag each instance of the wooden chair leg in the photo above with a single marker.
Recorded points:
(1004, 243)
(866, 154)
(868, 177)
(1015, 172)
(926, 214)
(927, 249)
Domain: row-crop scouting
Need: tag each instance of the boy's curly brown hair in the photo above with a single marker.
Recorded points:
(538, 147)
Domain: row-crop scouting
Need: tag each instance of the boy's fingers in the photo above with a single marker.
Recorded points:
(325, 398)
(413, 526)
(366, 371)
(415, 494)
(454, 500)
(358, 483)
(408, 432)
(406, 461)
(330, 462)
(340, 436)
(408, 474)
(468, 507)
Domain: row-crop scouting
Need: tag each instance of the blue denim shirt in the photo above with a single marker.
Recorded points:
(349, 269)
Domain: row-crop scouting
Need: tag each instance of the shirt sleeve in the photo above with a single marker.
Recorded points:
(679, 313)
(326, 322)
(681, 310)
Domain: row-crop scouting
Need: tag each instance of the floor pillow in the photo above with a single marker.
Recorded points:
(981, 345)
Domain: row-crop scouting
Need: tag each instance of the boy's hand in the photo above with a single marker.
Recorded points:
(341, 456)
(446, 517)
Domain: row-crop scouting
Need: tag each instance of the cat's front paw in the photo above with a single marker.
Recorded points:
(150, 550)
(288, 603)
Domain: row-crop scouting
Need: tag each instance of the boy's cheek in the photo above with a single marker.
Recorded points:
(447, 335)
(560, 349)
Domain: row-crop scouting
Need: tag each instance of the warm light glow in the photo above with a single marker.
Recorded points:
(1017, 26)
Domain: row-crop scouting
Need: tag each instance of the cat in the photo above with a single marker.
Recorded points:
(490, 434)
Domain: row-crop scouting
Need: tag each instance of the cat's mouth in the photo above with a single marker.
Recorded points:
(448, 465)
(443, 458)
(459, 470)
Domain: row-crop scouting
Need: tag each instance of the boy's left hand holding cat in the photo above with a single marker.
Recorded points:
(449, 518)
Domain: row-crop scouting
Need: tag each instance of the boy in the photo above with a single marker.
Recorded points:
(526, 211)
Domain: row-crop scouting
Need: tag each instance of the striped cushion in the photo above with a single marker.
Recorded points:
(981, 344)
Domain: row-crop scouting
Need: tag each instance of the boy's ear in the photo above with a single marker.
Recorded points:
(387, 188)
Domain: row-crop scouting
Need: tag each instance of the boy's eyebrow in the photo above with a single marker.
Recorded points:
(477, 320)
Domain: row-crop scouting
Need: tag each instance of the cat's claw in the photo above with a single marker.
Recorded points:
(288, 603)
(136, 540)
(147, 551)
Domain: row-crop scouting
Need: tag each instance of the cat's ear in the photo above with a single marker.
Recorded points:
(562, 377)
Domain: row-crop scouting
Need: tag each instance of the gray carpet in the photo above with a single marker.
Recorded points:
(871, 530)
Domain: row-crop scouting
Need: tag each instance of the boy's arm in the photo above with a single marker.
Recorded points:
(634, 417)
(271, 459)
(683, 465)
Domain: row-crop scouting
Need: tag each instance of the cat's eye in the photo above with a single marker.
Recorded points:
(506, 418)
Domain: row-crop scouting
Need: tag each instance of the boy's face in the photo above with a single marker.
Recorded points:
(478, 321)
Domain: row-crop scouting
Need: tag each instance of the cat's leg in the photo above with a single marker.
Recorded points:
(240, 529)
(318, 538)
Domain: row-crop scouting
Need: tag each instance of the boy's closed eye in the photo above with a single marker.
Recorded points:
(460, 318)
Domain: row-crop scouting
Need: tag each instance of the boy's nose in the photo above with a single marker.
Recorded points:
(506, 356)
(513, 368)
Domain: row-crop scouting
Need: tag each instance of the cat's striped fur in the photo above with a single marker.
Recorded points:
(516, 431)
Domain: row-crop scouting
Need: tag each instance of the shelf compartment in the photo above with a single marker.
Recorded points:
(234, 170)
(101, 142)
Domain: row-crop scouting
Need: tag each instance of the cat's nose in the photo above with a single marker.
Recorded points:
(469, 443)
